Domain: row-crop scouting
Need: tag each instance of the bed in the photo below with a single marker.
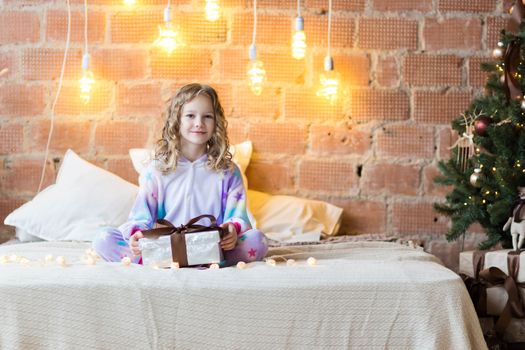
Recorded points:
(372, 295)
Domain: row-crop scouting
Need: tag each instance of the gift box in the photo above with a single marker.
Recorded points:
(187, 245)
(496, 286)
(496, 295)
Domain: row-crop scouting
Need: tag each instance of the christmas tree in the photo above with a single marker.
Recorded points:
(488, 160)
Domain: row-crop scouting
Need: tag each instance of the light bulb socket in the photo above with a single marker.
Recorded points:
(85, 61)
(328, 63)
(253, 52)
(167, 14)
(299, 23)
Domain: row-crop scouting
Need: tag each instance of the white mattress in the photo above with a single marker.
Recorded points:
(362, 295)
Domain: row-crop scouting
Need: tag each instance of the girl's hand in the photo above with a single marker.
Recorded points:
(134, 243)
(229, 240)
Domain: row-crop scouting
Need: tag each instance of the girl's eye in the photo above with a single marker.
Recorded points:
(209, 116)
(189, 115)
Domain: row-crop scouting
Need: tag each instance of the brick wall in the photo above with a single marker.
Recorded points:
(408, 68)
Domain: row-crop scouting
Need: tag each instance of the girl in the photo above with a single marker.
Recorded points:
(192, 174)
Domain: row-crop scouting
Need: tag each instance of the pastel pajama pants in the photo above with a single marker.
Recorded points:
(251, 246)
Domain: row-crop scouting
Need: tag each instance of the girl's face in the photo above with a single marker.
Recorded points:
(197, 123)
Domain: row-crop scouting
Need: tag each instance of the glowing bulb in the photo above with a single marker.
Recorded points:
(329, 81)
(213, 10)
(129, 2)
(298, 39)
(256, 72)
(87, 81)
(169, 38)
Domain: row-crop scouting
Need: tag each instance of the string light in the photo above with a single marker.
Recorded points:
(299, 38)
(87, 81)
(169, 38)
(213, 10)
(329, 80)
(256, 71)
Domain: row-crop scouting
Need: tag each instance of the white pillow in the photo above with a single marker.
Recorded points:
(293, 219)
(84, 199)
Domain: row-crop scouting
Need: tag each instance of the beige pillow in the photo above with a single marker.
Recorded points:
(293, 219)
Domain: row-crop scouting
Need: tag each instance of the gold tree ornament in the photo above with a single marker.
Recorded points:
(476, 178)
(465, 142)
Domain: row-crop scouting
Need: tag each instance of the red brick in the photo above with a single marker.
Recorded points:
(19, 27)
(353, 70)
(467, 6)
(447, 252)
(184, 64)
(11, 138)
(324, 176)
(447, 137)
(476, 76)
(452, 33)
(417, 218)
(120, 2)
(439, 107)
(494, 27)
(23, 175)
(9, 60)
(233, 68)
(403, 5)
(46, 64)
(118, 64)
(7, 205)
(136, 26)
(363, 216)
(273, 4)
(56, 29)
(368, 104)
(271, 29)
(267, 105)
(271, 176)
(333, 139)
(432, 70)
(341, 34)
(21, 100)
(237, 131)
(337, 5)
(69, 102)
(124, 169)
(387, 72)
(117, 137)
(66, 134)
(141, 99)
(387, 33)
(387, 178)
(430, 172)
(302, 103)
(226, 97)
(278, 138)
(281, 68)
(196, 29)
(400, 140)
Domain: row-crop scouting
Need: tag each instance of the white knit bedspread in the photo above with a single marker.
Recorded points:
(362, 295)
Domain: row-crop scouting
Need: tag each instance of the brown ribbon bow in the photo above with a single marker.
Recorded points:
(494, 276)
(178, 242)
(516, 16)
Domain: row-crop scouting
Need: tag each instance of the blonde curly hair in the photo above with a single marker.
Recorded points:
(168, 147)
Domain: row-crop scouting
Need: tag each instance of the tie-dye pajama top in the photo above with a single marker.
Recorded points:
(189, 191)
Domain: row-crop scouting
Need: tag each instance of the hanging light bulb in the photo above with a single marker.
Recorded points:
(256, 72)
(169, 38)
(213, 10)
(87, 81)
(298, 38)
(130, 2)
(329, 80)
